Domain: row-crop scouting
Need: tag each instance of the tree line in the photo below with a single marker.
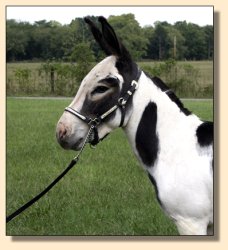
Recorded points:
(49, 40)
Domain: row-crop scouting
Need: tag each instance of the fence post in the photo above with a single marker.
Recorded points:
(52, 74)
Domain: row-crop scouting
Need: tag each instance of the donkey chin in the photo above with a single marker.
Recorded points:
(70, 144)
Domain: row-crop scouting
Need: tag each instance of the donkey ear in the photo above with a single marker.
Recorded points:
(110, 36)
(108, 40)
(98, 36)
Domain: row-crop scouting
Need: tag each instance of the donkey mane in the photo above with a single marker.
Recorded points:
(160, 84)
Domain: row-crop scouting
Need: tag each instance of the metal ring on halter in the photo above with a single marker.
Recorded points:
(122, 101)
(96, 121)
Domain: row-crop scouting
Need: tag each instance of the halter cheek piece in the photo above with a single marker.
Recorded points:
(94, 122)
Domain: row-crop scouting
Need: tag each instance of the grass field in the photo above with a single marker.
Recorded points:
(205, 68)
(107, 193)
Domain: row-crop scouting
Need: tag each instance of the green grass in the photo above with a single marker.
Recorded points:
(107, 193)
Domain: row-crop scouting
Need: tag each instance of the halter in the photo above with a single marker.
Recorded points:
(121, 104)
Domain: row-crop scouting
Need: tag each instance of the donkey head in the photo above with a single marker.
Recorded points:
(99, 91)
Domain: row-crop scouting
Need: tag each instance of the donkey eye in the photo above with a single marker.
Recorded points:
(100, 90)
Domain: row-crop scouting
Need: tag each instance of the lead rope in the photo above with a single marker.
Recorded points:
(37, 197)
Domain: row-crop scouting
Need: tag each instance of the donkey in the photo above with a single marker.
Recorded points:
(173, 145)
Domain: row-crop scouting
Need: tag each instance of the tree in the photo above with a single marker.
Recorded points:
(52, 41)
(160, 42)
(17, 40)
(130, 32)
(177, 47)
(194, 40)
(83, 55)
(209, 40)
(148, 33)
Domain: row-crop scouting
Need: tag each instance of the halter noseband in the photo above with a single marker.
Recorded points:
(121, 103)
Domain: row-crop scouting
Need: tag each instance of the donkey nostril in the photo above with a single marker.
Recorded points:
(62, 133)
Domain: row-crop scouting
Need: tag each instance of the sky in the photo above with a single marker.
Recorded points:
(145, 15)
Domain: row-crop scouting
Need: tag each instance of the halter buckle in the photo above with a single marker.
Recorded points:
(134, 83)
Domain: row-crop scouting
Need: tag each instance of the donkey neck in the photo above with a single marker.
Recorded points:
(154, 119)
(148, 92)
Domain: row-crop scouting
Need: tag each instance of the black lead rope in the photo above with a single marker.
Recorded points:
(92, 131)
(37, 197)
